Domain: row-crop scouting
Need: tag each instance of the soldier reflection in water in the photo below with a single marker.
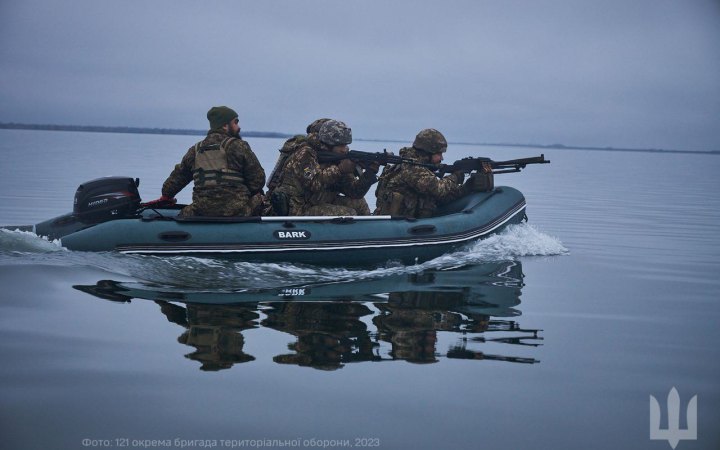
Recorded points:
(214, 331)
(350, 323)
(329, 335)
(409, 321)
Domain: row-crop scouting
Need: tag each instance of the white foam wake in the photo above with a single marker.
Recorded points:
(26, 242)
(518, 240)
(18, 247)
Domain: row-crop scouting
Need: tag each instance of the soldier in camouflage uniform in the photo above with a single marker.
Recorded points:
(228, 179)
(289, 147)
(414, 191)
(332, 189)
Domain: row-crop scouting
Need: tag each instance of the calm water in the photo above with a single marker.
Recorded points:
(551, 335)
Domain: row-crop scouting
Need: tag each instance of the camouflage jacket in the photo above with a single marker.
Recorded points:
(240, 160)
(414, 191)
(308, 183)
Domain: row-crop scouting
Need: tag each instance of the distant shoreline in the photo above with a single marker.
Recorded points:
(273, 134)
(130, 130)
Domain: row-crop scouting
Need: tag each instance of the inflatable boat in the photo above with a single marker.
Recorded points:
(108, 216)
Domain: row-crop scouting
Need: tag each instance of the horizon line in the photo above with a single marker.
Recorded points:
(281, 135)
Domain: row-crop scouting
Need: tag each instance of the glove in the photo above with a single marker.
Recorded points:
(162, 201)
(459, 176)
(346, 166)
(373, 167)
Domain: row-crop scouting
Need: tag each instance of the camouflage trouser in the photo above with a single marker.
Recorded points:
(217, 207)
(257, 204)
(397, 204)
(341, 206)
(360, 205)
(328, 209)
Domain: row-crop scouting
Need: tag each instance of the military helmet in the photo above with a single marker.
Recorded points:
(334, 132)
(430, 140)
(315, 126)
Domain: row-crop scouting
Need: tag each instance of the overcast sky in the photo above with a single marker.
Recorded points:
(622, 73)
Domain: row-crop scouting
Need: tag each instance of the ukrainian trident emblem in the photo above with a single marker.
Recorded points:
(673, 433)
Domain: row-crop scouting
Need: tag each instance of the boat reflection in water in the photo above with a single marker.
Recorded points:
(406, 317)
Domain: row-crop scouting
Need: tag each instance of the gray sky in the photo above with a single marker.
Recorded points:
(622, 73)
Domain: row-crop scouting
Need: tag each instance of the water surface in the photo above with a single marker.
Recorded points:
(551, 335)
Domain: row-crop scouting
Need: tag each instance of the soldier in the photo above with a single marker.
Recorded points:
(308, 188)
(289, 147)
(228, 179)
(412, 190)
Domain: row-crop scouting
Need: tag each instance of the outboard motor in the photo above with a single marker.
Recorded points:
(106, 198)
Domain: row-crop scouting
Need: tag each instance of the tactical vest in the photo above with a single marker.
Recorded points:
(388, 202)
(290, 147)
(211, 166)
(396, 200)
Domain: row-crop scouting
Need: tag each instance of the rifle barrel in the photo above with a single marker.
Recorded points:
(523, 161)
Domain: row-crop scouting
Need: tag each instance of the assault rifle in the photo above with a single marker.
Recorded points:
(471, 164)
(365, 158)
(466, 165)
